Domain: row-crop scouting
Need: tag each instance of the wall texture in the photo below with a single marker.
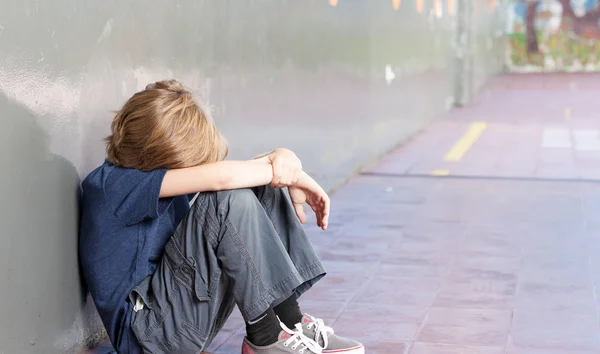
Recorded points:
(338, 81)
(478, 46)
(553, 35)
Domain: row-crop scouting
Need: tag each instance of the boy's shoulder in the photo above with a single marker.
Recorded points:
(108, 172)
(130, 194)
(95, 179)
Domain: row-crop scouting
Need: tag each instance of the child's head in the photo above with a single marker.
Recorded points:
(163, 127)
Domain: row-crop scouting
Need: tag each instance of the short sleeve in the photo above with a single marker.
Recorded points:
(133, 195)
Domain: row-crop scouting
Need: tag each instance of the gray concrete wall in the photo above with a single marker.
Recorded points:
(478, 47)
(340, 85)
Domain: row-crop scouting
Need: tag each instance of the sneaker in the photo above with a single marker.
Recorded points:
(290, 341)
(315, 329)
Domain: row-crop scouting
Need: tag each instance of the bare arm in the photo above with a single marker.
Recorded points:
(225, 175)
(217, 176)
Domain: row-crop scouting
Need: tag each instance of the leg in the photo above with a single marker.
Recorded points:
(186, 300)
(281, 213)
(284, 218)
(279, 209)
(256, 249)
(225, 251)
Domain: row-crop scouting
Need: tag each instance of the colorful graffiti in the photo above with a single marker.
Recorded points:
(553, 35)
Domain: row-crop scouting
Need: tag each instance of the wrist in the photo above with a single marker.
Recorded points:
(304, 180)
(262, 156)
(261, 159)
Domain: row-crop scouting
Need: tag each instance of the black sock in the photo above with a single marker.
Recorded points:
(264, 330)
(289, 311)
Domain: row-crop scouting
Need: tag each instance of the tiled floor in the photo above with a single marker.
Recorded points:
(543, 127)
(470, 262)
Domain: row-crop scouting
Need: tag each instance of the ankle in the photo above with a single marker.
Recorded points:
(289, 311)
(264, 330)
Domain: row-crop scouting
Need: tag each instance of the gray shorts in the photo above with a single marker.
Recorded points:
(243, 247)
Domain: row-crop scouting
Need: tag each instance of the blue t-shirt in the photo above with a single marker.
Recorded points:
(124, 229)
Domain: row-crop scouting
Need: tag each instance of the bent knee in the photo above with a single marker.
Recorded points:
(238, 198)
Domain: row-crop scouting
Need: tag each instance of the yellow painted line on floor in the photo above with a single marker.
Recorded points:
(440, 173)
(464, 144)
(567, 113)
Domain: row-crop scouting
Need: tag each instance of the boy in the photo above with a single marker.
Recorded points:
(165, 276)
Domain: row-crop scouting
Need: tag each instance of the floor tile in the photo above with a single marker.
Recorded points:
(428, 348)
(466, 327)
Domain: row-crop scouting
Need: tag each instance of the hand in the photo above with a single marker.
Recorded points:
(286, 168)
(308, 191)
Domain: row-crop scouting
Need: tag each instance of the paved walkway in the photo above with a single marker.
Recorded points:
(480, 236)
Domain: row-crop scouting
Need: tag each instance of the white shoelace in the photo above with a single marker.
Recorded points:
(322, 331)
(299, 339)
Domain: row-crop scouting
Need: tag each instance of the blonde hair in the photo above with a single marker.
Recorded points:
(163, 127)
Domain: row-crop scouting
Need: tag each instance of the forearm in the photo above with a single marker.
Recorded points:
(223, 175)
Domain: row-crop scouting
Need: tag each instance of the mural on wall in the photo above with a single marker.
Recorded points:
(553, 35)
